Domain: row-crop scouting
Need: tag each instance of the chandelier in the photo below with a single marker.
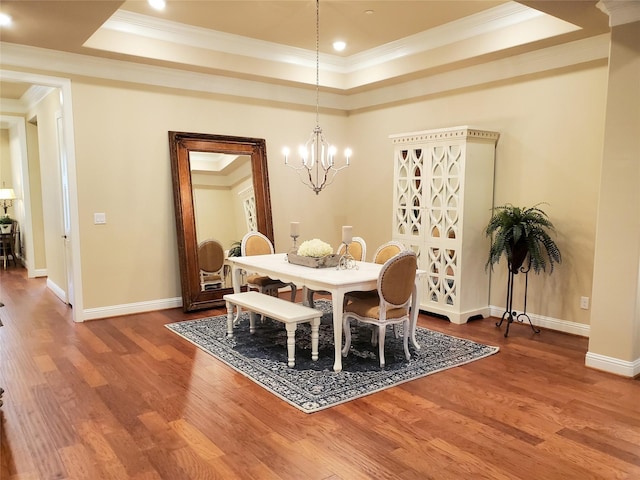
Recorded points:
(317, 167)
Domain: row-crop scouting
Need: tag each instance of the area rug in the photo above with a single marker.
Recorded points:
(312, 386)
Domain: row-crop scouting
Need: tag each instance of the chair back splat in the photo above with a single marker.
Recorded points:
(256, 243)
(387, 250)
(357, 249)
(211, 264)
(397, 278)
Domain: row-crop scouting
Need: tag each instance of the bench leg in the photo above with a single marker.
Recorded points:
(291, 344)
(229, 319)
(315, 326)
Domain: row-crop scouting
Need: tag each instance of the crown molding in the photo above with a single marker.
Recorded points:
(492, 20)
(560, 56)
(62, 63)
(620, 12)
(488, 21)
(65, 63)
(35, 95)
(158, 29)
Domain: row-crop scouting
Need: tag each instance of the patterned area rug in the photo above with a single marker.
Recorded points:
(313, 386)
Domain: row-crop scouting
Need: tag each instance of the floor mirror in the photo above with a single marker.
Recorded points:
(221, 191)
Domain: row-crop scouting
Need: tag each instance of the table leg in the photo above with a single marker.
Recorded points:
(414, 313)
(338, 301)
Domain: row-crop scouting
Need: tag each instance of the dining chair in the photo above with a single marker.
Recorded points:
(8, 244)
(211, 263)
(390, 305)
(383, 253)
(256, 243)
(357, 249)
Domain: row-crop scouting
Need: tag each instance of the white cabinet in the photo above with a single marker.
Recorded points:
(442, 201)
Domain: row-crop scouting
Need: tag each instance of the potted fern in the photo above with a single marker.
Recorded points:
(519, 233)
(235, 249)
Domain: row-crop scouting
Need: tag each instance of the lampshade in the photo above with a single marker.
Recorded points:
(7, 194)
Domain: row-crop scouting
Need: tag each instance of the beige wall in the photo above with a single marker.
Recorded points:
(549, 150)
(123, 170)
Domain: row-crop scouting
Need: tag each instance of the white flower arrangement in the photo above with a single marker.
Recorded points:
(314, 248)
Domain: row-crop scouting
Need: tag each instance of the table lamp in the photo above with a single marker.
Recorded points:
(7, 195)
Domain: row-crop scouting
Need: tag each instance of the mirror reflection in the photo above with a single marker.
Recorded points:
(224, 208)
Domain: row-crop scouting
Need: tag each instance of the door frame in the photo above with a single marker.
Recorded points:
(64, 84)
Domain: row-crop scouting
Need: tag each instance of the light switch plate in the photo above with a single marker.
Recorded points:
(99, 218)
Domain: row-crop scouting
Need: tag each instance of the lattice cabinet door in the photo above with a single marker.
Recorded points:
(443, 194)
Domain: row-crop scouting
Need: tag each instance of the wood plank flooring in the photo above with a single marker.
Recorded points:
(124, 398)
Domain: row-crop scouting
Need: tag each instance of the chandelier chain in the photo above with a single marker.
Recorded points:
(317, 62)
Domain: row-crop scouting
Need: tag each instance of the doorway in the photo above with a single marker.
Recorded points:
(68, 283)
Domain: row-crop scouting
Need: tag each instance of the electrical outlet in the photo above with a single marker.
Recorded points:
(584, 303)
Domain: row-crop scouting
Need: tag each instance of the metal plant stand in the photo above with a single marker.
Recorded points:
(510, 314)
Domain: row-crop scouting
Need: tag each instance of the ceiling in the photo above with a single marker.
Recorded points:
(388, 42)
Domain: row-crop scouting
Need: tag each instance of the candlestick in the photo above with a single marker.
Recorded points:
(346, 234)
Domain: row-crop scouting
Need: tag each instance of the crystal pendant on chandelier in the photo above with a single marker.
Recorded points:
(317, 167)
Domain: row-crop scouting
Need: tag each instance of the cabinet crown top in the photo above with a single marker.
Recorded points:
(444, 134)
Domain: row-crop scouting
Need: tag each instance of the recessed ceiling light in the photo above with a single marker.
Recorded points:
(339, 45)
(157, 4)
(5, 20)
(368, 12)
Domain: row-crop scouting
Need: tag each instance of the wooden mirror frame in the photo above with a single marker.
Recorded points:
(180, 145)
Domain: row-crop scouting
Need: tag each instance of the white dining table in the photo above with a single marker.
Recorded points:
(335, 281)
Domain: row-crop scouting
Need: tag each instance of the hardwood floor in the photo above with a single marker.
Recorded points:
(124, 398)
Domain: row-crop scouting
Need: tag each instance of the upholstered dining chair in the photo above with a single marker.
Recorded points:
(387, 250)
(256, 243)
(390, 305)
(211, 263)
(357, 249)
(383, 253)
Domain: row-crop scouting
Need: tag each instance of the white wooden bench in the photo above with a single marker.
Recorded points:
(289, 313)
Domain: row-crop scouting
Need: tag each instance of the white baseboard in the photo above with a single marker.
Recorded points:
(130, 308)
(613, 365)
(37, 272)
(59, 292)
(551, 323)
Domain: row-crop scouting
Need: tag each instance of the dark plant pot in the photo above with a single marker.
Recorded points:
(519, 252)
